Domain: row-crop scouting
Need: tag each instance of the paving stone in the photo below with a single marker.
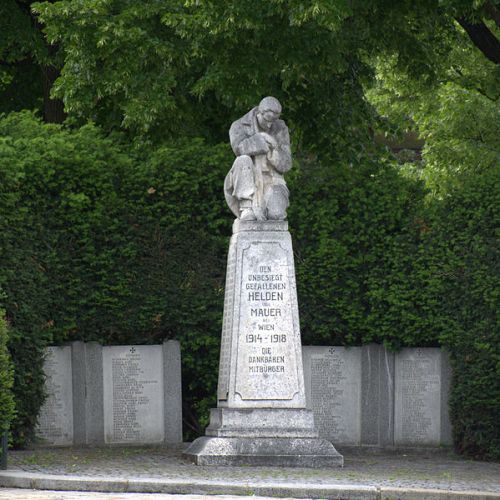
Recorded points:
(426, 470)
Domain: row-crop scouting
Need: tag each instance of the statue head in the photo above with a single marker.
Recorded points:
(268, 112)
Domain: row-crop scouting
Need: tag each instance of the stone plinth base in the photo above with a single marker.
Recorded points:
(261, 416)
(275, 437)
(271, 452)
(262, 422)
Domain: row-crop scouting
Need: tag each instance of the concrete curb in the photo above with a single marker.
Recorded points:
(29, 480)
(185, 486)
(433, 494)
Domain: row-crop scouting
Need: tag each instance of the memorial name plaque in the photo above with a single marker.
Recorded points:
(116, 395)
(333, 391)
(133, 394)
(266, 353)
(418, 397)
(55, 423)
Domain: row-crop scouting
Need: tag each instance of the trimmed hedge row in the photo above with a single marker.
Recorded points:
(7, 407)
(466, 237)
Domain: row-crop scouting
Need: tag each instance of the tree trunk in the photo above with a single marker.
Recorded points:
(482, 38)
(53, 109)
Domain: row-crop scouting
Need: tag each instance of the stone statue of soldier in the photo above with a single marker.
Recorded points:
(261, 416)
(254, 187)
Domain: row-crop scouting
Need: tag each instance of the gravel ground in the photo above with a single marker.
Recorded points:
(443, 470)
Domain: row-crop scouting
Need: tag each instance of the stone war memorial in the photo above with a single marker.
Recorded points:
(371, 397)
(278, 403)
(261, 416)
(112, 395)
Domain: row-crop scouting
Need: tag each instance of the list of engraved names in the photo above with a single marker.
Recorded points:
(335, 392)
(417, 399)
(56, 417)
(134, 414)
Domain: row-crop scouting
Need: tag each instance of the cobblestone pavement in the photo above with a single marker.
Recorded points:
(443, 470)
(18, 494)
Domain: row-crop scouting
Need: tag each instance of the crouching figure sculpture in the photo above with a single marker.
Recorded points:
(255, 188)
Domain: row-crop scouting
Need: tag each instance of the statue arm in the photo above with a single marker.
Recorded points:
(281, 157)
(243, 144)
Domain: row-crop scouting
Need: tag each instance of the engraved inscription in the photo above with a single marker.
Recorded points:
(55, 423)
(418, 398)
(267, 364)
(334, 393)
(133, 393)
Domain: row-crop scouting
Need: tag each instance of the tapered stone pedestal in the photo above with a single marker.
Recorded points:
(261, 418)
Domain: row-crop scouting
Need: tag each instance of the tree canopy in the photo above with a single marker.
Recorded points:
(456, 115)
(188, 67)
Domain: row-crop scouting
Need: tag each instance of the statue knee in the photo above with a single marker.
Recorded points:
(277, 203)
(243, 163)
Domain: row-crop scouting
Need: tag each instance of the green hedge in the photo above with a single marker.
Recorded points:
(102, 240)
(7, 408)
(358, 243)
(467, 239)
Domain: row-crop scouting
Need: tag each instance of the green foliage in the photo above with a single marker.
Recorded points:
(357, 243)
(462, 137)
(458, 119)
(18, 36)
(23, 278)
(102, 242)
(188, 65)
(468, 242)
(22, 49)
(122, 238)
(183, 68)
(7, 407)
(377, 261)
(27, 351)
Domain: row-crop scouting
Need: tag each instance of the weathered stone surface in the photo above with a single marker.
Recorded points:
(94, 398)
(140, 386)
(261, 362)
(172, 391)
(284, 452)
(417, 411)
(255, 188)
(261, 417)
(333, 391)
(55, 423)
(261, 422)
(377, 396)
(446, 436)
(79, 392)
(133, 394)
(403, 403)
(248, 225)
